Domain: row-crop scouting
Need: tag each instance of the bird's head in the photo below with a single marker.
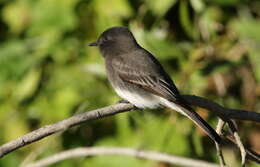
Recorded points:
(115, 38)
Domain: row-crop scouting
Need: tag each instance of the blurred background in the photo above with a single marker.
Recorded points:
(211, 48)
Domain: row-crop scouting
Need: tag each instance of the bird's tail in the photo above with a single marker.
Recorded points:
(191, 114)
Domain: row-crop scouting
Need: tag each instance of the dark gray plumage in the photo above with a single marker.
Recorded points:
(138, 77)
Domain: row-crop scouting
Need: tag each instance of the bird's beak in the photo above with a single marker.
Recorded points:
(93, 44)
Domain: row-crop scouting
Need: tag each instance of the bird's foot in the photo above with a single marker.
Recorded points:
(127, 102)
(123, 101)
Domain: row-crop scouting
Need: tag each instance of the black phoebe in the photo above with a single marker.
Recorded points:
(138, 77)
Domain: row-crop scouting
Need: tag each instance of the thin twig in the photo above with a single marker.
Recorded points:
(242, 149)
(233, 129)
(250, 154)
(95, 151)
(219, 128)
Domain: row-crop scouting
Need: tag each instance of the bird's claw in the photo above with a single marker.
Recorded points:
(123, 101)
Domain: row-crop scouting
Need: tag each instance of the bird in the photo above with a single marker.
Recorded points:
(139, 78)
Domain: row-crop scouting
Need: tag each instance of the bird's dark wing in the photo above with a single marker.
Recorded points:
(151, 80)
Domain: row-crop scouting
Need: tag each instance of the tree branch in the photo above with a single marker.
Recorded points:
(94, 151)
(63, 125)
(48, 130)
(223, 112)
(219, 128)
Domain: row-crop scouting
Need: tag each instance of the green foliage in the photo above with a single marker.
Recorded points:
(47, 73)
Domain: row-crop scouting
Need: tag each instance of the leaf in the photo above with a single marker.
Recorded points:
(53, 15)
(186, 20)
(228, 2)
(255, 60)
(156, 42)
(159, 8)
(248, 28)
(105, 10)
(17, 16)
(28, 85)
(198, 5)
(14, 60)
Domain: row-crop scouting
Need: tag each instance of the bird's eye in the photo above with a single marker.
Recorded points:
(105, 39)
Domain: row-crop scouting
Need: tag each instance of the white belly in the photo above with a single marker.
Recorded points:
(143, 99)
(140, 100)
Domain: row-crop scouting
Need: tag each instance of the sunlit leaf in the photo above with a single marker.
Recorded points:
(28, 85)
(17, 16)
(159, 8)
(53, 15)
